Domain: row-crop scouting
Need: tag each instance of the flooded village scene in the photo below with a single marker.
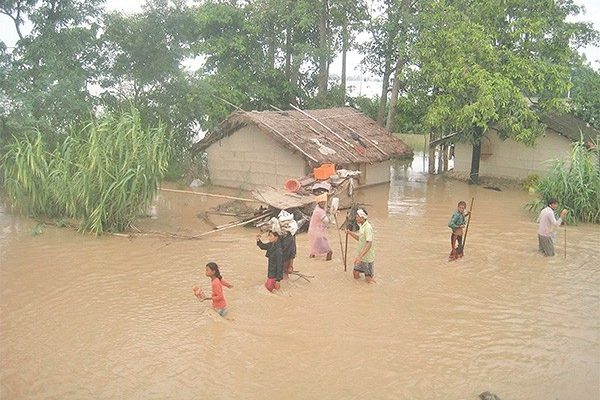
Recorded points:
(299, 200)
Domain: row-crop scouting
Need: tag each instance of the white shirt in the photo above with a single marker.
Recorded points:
(548, 222)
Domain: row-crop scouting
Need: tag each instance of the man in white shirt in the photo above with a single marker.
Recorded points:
(547, 227)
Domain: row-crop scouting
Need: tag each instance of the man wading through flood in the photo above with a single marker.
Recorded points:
(547, 227)
(364, 263)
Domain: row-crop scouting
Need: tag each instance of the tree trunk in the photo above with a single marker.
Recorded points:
(444, 150)
(384, 90)
(431, 167)
(344, 60)
(475, 157)
(323, 50)
(288, 54)
(389, 124)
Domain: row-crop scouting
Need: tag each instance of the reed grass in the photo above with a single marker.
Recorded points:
(104, 174)
(575, 184)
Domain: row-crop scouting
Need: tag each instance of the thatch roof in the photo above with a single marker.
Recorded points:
(340, 136)
(569, 126)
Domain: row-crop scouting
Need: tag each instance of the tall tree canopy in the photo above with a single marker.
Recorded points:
(449, 66)
(480, 64)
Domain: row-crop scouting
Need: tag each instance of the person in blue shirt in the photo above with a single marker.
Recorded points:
(457, 224)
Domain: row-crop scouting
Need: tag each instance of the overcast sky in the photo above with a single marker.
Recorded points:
(592, 14)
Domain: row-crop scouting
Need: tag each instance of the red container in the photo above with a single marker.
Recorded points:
(292, 185)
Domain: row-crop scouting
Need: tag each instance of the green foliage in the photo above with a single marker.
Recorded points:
(585, 94)
(144, 57)
(530, 182)
(44, 80)
(482, 63)
(367, 105)
(103, 174)
(575, 185)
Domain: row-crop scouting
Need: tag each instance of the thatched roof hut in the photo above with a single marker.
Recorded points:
(289, 144)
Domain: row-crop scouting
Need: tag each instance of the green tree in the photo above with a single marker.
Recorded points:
(381, 50)
(585, 94)
(46, 77)
(482, 64)
(144, 57)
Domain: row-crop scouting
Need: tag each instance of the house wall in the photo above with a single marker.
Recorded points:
(372, 174)
(509, 159)
(378, 173)
(250, 157)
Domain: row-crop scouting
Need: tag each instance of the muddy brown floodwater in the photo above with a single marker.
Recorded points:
(83, 317)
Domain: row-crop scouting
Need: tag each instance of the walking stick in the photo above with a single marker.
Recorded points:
(346, 253)
(464, 242)
(335, 202)
(565, 222)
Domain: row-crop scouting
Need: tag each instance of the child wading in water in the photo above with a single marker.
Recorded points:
(217, 282)
(275, 263)
(457, 223)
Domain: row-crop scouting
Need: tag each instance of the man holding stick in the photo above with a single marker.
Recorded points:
(364, 263)
(547, 227)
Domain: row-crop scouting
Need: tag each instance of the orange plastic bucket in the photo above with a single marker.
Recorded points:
(324, 171)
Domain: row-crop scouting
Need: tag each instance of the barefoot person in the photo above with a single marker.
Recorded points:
(317, 229)
(547, 224)
(457, 224)
(364, 263)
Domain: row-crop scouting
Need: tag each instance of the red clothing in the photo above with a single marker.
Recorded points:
(218, 298)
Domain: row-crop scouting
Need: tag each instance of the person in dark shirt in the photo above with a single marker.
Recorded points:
(275, 259)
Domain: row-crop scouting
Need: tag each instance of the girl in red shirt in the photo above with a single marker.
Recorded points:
(217, 282)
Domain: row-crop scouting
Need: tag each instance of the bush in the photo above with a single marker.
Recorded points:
(576, 185)
(103, 175)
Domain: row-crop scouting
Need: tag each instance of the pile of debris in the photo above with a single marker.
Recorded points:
(297, 199)
(301, 202)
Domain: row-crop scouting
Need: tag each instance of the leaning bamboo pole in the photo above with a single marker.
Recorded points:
(323, 125)
(324, 136)
(281, 135)
(232, 225)
(222, 196)
(365, 138)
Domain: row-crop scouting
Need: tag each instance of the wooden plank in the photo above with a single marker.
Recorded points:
(281, 199)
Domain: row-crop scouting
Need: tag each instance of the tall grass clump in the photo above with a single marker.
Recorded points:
(575, 184)
(104, 174)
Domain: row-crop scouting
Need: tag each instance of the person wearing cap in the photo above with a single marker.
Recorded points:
(547, 224)
(317, 229)
(364, 263)
(288, 240)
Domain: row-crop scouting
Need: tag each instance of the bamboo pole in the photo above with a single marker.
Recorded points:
(468, 222)
(322, 124)
(320, 134)
(365, 138)
(232, 225)
(289, 141)
(273, 129)
(565, 222)
(211, 195)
